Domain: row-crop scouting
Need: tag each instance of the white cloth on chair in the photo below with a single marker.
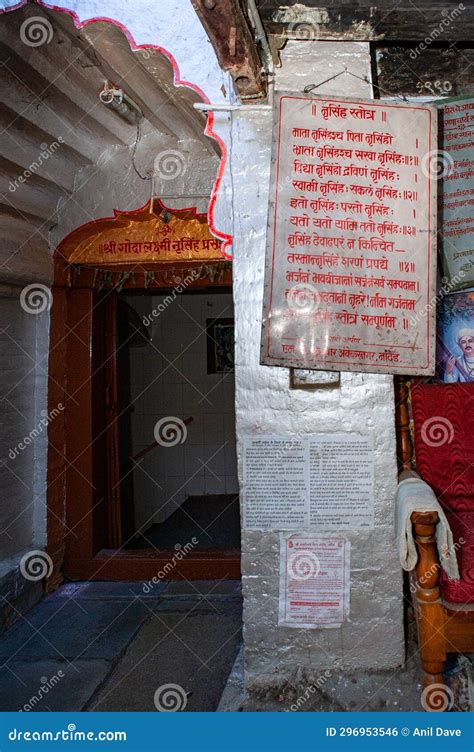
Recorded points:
(414, 495)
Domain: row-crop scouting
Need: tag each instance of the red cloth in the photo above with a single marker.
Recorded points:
(443, 416)
(461, 591)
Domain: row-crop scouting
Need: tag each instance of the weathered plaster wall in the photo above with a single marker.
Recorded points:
(20, 479)
(173, 26)
(170, 24)
(23, 346)
(373, 636)
(114, 184)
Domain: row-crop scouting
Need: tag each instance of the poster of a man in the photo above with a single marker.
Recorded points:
(462, 368)
(455, 338)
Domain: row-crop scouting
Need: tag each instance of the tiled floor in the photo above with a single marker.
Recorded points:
(109, 646)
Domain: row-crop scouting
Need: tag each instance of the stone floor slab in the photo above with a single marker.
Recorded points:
(194, 652)
(233, 696)
(69, 629)
(50, 685)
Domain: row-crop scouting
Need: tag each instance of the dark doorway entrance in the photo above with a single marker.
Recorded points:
(179, 488)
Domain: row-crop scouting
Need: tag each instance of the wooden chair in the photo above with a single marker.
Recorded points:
(443, 431)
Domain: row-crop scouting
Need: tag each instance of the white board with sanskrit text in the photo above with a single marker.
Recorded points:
(351, 249)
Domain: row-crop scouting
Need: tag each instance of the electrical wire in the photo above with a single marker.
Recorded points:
(134, 150)
(308, 89)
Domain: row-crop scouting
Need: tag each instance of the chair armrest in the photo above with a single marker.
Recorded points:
(423, 529)
(428, 565)
(425, 519)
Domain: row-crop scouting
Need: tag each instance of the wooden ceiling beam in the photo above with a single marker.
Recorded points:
(369, 20)
(231, 36)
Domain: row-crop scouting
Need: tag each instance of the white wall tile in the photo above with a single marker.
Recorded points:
(183, 390)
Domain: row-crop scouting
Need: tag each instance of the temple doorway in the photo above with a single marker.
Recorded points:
(142, 460)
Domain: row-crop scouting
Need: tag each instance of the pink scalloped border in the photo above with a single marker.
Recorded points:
(178, 81)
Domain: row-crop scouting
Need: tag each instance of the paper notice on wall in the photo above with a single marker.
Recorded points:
(320, 481)
(351, 243)
(341, 481)
(314, 581)
(275, 483)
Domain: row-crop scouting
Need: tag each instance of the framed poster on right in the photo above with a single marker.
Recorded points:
(455, 338)
(456, 195)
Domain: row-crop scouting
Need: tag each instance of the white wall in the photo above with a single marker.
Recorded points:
(23, 345)
(373, 635)
(169, 379)
(114, 184)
